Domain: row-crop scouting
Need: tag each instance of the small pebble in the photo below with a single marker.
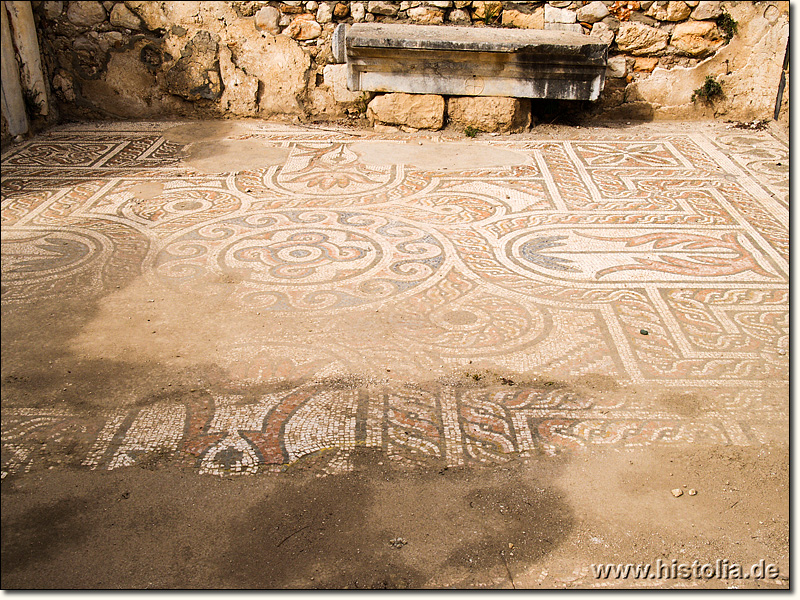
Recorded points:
(693, 492)
(677, 492)
(644, 331)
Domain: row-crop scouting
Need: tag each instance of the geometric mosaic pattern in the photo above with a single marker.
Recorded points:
(556, 264)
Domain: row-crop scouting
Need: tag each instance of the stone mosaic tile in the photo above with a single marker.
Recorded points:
(560, 263)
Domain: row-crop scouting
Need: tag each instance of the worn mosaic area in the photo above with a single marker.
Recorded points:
(228, 434)
(653, 259)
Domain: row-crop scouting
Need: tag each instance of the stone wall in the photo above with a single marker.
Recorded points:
(138, 59)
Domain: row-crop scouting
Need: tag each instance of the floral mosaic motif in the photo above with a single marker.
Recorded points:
(652, 154)
(736, 258)
(308, 259)
(531, 251)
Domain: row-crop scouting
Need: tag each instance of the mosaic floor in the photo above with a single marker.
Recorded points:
(653, 256)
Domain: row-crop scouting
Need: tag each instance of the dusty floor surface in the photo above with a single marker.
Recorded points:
(239, 354)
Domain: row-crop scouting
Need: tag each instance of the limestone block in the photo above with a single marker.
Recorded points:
(617, 67)
(241, 90)
(52, 10)
(612, 23)
(459, 17)
(669, 11)
(697, 38)
(86, 14)
(639, 39)
(339, 44)
(357, 11)
(489, 114)
(707, 10)
(592, 12)
(516, 17)
(303, 27)
(559, 15)
(121, 16)
(462, 3)
(150, 13)
(195, 75)
(640, 18)
(62, 84)
(426, 15)
(267, 19)
(335, 77)
(574, 27)
(279, 63)
(486, 10)
(475, 61)
(381, 8)
(421, 111)
(645, 63)
(324, 13)
(440, 3)
(341, 10)
(185, 14)
(601, 30)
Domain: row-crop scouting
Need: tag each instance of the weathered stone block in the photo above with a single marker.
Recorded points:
(707, 10)
(382, 8)
(465, 61)
(268, 19)
(503, 115)
(240, 95)
(592, 12)
(571, 27)
(486, 11)
(558, 15)
(338, 43)
(617, 67)
(150, 13)
(86, 14)
(421, 111)
(645, 63)
(459, 17)
(639, 39)
(335, 77)
(517, 17)
(303, 27)
(602, 32)
(341, 10)
(357, 11)
(324, 13)
(195, 75)
(426, 15)
(52, 10)
(674, 10)
(279, 63)
(697, 38)
(121, 16)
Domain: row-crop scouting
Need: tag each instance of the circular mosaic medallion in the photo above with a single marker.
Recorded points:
(306, 260)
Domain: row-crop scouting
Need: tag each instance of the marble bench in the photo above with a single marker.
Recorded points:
(471, 61)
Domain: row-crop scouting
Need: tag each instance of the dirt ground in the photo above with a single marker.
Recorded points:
(527, 524)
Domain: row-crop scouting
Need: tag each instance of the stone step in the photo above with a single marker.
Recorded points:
(468, 61)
